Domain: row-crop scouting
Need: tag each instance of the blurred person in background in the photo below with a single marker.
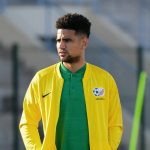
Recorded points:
(78, 102)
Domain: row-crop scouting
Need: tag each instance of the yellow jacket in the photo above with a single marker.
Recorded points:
(42, 101)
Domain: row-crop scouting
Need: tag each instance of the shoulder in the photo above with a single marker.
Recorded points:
(98, 70)
(45, 72)
(101, 74)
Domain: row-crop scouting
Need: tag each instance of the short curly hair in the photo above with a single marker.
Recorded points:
(74, 21)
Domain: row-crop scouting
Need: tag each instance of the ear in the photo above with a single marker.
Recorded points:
(85, 42)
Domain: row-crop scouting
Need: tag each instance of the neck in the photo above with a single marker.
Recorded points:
(73, 67)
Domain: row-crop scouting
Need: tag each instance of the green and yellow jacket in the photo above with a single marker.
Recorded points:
(42, 101)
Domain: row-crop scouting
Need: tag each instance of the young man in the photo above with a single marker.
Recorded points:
(78, 102)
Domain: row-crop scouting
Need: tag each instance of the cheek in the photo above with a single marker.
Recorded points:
(79, 47)
(57, 46)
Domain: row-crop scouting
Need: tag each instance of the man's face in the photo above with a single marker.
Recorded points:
(70, 46)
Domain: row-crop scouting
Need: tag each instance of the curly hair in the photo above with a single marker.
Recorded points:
(74, 21)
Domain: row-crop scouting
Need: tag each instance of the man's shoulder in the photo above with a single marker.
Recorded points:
(100, 72)
(97, 69)
(48, 71)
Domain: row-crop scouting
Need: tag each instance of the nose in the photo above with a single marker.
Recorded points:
(62, 44)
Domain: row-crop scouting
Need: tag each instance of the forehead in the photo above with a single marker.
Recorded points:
(65, 33)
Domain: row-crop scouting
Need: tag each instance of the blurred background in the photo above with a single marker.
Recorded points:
(119, 43)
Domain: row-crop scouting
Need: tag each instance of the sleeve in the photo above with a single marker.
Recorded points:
(115, 123)
(30, 118)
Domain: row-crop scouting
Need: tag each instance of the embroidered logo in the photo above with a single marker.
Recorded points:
(99, 91)
(45, 95)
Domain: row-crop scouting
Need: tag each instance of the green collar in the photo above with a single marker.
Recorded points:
(66, 72)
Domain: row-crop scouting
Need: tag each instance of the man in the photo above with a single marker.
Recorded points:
(78, 102)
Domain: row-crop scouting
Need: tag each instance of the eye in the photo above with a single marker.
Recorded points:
(58, 40)
(67, 40)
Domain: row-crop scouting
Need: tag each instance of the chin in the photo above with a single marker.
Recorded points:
(62, 58)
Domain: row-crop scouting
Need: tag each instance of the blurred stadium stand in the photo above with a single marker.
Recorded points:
(119, 28)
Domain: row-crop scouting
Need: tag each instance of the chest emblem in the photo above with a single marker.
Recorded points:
(99, 91)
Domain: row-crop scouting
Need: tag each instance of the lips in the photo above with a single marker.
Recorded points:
(62, 53)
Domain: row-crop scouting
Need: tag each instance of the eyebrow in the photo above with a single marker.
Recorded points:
(64, 39)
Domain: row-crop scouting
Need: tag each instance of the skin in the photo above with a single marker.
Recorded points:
(71, 48)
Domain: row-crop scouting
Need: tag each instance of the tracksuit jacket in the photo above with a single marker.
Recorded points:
(42, 101)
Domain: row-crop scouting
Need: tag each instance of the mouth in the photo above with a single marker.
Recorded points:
(62, 54)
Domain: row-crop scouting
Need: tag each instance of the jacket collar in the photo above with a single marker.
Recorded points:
(88, 71)
(87, 74)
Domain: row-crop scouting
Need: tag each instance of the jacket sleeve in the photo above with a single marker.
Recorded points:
(30, 118)
(115, 123)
